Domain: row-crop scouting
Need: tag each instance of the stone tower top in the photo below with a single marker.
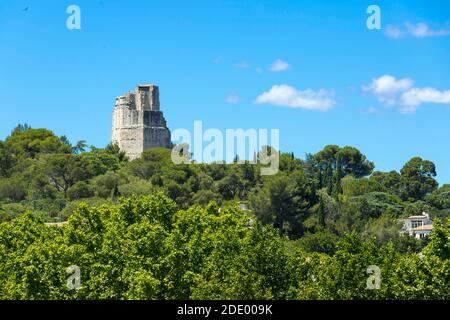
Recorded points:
(146, 97)
(151, 92)
(138, 123)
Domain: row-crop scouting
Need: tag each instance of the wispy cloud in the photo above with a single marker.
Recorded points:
(393, 32)
(371, 110)
(402, 94)
(418, 30)
(279, 66)
(422, 30)
(217, 60)
(232, 98)
(287, 96)
(242, 65)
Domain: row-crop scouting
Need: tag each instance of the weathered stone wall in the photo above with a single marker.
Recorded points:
(137, 123)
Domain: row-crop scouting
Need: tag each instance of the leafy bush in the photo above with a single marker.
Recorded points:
(80, 190)
(12, 189)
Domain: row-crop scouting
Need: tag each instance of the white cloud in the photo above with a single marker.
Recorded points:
(242, 65)
(279, 66)
(232, 98)
(287, 96)
(418, 30)
(387, 84)
(387, 87)
(402, 94)
(413, 98)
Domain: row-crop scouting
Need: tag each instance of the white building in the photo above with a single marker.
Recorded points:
(418, 226)
(423, 231)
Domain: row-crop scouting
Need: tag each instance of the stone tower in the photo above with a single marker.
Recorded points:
(138, 124)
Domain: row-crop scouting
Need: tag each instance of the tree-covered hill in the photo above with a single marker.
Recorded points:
(149, 228)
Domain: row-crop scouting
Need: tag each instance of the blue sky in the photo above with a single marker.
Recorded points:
(319, 74)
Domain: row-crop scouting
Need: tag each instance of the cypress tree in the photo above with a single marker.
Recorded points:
(329, 179)
(321, 212)
(338, 175)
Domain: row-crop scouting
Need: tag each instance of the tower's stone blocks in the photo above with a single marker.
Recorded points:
(138, 124)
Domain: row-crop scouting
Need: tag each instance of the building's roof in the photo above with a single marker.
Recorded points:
(426, 227)
(417, 217)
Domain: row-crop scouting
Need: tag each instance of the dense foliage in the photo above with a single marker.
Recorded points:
(151, 229)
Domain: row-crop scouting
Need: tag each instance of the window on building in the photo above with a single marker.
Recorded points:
(416, 223)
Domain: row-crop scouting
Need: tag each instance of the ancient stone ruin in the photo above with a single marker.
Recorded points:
(138, 124)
